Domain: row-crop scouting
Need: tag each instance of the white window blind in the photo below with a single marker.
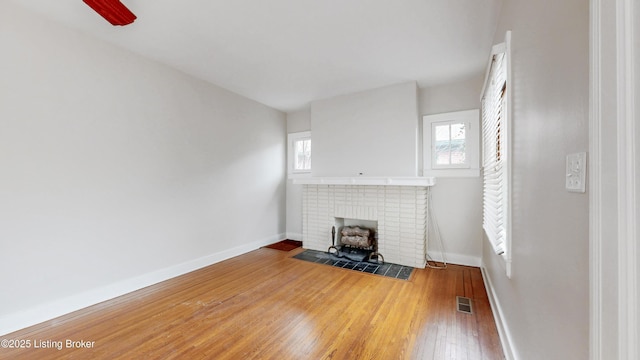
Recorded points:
(494, 154)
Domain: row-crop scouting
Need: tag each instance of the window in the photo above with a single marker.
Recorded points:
(451, 144)
(495, 152)
(299, 156)
(302, 155)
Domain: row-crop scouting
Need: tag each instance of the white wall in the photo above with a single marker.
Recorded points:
(457, 96)
(373, 133)
(296, 122)
(544, 306)
(457, 202)
(115, 167)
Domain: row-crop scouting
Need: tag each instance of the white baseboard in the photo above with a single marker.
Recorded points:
(294, 236)
(458, 259)
(20, 320)
(503, 329)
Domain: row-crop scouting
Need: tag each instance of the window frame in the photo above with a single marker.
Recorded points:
(292, 138)
(504, 150)
(471, 119)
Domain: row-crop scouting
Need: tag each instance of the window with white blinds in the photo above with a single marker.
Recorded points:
(495, 153)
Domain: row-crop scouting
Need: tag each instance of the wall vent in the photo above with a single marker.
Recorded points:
(463, 304)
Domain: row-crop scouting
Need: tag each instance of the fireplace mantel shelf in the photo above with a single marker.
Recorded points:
(367, 180)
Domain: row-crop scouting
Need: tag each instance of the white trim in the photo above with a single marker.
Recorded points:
(506, 339)
(508, 141)
(595, 186)
(298, 175)
(457, 259)
(627, 232)
(451, 173)
(16, 321)
(626, 145)
(366, 180)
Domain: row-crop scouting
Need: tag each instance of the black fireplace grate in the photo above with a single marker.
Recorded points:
(387, 269)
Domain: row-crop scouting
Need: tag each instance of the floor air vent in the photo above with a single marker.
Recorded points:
(463, 304)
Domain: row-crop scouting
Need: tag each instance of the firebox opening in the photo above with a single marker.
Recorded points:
(365, 224)
(356, 239)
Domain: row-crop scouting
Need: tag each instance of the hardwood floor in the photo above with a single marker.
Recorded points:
(266, 305)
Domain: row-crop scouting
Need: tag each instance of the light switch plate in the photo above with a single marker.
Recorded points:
(576, 172)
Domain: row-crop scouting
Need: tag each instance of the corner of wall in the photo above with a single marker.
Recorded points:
(506, 339)
(294, 236)
(457, 259)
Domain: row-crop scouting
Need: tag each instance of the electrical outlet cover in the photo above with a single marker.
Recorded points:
(576, 172)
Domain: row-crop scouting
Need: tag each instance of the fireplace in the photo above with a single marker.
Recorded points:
(355, 239)
(397, 213)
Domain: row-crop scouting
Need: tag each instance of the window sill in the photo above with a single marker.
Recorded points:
(299, 175)
(365, 180)
(452, 173)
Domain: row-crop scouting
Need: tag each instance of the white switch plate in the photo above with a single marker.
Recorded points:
(576, 172)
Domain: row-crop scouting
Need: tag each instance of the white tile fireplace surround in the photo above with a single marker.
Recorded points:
(400, 213)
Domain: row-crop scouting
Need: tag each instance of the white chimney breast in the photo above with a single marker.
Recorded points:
(400, 212)
(371, 133)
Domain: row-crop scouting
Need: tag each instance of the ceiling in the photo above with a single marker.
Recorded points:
(287, 53)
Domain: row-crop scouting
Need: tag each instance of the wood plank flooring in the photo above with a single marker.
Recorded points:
(266, 305)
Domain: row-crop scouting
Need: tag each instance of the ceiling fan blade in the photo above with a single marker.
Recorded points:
(113, 11)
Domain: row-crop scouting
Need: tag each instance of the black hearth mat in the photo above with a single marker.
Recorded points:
(387, 269)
